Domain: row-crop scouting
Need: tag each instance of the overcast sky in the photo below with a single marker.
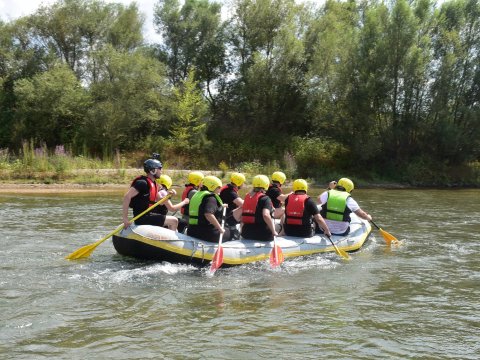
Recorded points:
(12, 9)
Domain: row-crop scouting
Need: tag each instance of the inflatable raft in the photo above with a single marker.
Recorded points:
(160, 244)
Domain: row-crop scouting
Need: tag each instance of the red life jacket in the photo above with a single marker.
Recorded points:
(295, 208)
(250, 207)
(153, 186)
(187, 189)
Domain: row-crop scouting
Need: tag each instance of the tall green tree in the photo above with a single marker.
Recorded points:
(20, 57)
(74, 29)
(50, 107)
(188, 131)
(193, 38)
(265, 91)
(130, 102)
(331, 46)
(454, 122)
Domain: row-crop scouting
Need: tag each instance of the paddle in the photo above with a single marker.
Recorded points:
(386, 236)
(342, 253)
(217, 260)
(276, 255)
(86, 250)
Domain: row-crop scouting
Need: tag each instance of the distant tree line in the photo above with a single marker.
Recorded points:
(384, 86)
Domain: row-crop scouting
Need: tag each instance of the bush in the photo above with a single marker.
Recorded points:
(319, 158)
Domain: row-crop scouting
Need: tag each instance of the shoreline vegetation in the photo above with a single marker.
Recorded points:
(385, 93)
(118, 180)
(37, 170)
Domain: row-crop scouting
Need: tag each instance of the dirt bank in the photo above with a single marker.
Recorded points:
(60, 188)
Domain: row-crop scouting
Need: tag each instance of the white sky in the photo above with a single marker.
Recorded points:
(12, 9)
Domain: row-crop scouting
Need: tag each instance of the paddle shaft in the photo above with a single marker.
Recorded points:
(217, 259)
(375, 225)
(159, 202)
(88, 249)
(337, 250)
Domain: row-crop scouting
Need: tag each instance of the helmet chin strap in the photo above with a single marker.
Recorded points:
(154, 173)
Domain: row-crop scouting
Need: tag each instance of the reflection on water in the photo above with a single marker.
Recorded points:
(417, 300)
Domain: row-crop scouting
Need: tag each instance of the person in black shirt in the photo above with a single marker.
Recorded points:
(274, 192)
(301, 212)
(205, 212)
(142, 194)
(229, 196)
(257, 221)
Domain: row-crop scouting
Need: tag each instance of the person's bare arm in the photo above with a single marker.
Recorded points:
(282, 197)
(177, 206)
(132, 192)
(269, 221)
(238, 201)
(363, 215)
(213, 220)
(237, 213)
(323, 225)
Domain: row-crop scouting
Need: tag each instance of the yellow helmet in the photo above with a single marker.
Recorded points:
(212, 182)
(347, 184)
(195, 178)
(166, 181)
(237, 179)
(261, 181)
(279, 176)
(300, 185)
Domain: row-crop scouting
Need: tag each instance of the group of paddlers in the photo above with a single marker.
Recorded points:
(264, 212)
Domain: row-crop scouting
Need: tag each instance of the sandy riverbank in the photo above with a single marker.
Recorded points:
(60, 188)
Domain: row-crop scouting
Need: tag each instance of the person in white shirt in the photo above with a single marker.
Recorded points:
(337, 205)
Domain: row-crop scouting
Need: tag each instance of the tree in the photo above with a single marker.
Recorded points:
(75, 29)
(266, 90)
(129, 102)
(50, 107)
(453, 133)
(193, 38)
(188, 131)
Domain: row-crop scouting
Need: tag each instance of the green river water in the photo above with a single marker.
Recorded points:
(420, 300)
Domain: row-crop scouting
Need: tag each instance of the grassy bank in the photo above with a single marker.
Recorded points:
(39, 166)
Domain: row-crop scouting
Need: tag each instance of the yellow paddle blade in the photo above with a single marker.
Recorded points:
(389, 238)
(84, 251)
(342, 253)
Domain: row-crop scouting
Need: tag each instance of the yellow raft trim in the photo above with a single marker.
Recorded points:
(209, 250)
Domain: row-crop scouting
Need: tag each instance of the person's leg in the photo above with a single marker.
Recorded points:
(171, 222)
(151, 219)
(182, 226)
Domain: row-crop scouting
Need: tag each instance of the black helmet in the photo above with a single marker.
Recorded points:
(151, 164)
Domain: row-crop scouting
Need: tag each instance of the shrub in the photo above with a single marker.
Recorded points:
(318, 158)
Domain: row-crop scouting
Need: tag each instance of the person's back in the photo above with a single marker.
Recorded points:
(229, 196)
(257, 221)
(338, 204)
(142, 194)
(193, 184)
(205, 213)
(301, 212)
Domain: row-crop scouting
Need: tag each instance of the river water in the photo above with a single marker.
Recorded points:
(419, 300)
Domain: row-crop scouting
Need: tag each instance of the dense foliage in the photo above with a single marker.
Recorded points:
(390, 88)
